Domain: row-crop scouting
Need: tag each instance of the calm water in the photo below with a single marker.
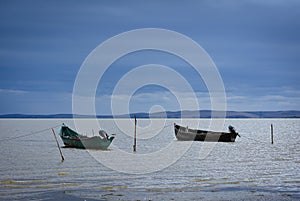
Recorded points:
(249, 169)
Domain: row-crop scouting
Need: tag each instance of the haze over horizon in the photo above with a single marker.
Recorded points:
(254, 45)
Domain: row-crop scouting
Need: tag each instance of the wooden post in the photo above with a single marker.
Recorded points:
(272, 140)
(134, 140)
(62, 157)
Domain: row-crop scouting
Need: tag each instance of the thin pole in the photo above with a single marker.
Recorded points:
(62, 157)
(134, 140)
(272, 139)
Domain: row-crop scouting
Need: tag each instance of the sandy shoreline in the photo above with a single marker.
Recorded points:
(152, 194)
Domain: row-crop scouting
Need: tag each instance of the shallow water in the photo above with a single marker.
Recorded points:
(249, 169)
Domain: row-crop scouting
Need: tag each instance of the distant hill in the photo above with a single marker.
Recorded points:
(176, 114)
(229, 114)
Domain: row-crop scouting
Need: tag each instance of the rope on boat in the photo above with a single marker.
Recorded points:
(28, 134)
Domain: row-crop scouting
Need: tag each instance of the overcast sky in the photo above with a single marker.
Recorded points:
(254, 44)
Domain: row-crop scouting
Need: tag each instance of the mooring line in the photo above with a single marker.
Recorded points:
(262, 143)
(253, 139)
(156, 129)
(273, 147)
(29, 134)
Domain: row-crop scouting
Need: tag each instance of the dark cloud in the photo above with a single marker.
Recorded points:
(255, 45)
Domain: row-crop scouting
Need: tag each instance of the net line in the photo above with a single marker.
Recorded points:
(28, 134)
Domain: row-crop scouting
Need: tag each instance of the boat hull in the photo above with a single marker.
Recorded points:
(187, 134)
(72, 139)
(89, 143)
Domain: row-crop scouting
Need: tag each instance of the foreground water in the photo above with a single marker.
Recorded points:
(249, 169)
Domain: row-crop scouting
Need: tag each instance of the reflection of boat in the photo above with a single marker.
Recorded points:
(73, 139)
(187, 134)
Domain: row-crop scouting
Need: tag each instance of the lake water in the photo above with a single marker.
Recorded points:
(249, 169)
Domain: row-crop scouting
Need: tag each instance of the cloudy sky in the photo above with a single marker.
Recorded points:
(255, 46)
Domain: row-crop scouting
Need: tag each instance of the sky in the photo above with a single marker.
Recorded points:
(255, 46)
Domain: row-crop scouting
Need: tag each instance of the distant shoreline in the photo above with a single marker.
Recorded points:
(168, 114)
